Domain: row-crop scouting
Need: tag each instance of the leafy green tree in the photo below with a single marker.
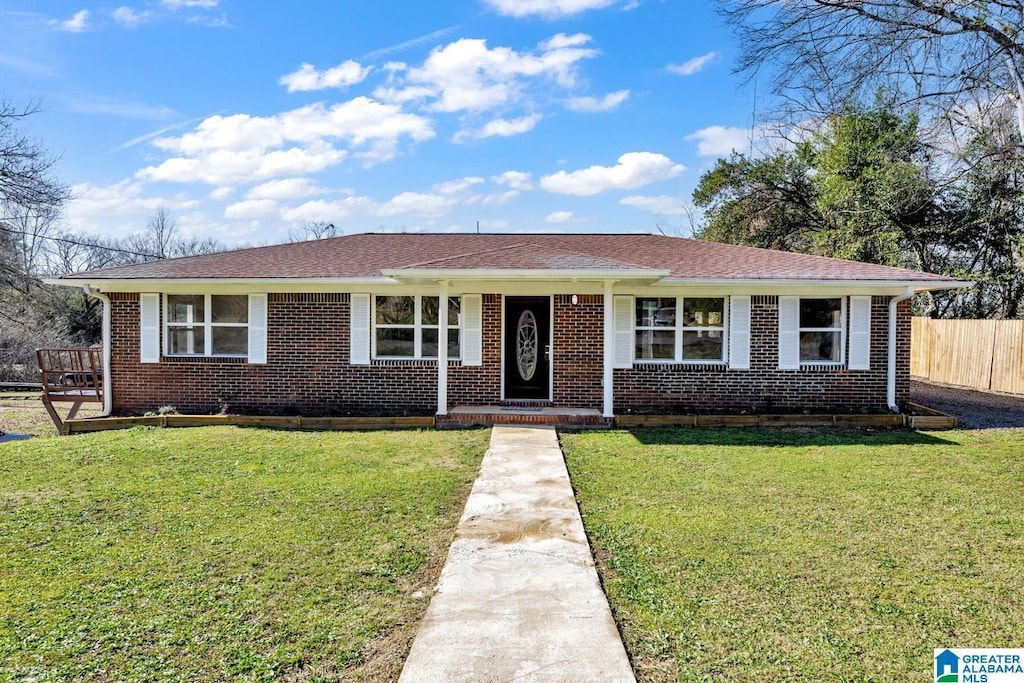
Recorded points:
(856, 190)
(872, 191)
(986, 236)
(760, 202)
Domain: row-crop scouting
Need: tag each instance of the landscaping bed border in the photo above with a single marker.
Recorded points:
(298, 422)
(924, 418)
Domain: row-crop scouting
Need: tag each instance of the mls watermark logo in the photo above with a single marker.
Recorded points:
(979, 665)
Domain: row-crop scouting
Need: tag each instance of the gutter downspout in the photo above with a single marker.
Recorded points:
(108, 399)
(890, 380)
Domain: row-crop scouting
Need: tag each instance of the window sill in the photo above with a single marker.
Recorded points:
(226, 360)
(688, 363)
(680, 365)
(822, 366)
(452, 362)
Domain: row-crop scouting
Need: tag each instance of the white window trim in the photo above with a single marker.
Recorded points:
(678, 330)
(841, 330)
(207, 324)
(417, 328)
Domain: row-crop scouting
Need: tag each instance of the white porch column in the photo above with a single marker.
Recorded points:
(609, 350)
(442, 349)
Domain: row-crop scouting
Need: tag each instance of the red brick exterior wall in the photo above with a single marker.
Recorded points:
(764, 388)
(308, 372)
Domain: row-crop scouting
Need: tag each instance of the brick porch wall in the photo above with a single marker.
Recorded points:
(578, 351)
(308, 370)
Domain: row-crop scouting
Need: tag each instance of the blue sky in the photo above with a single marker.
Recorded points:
(247, 119)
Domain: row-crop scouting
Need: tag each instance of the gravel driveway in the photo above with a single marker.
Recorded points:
(975, 409)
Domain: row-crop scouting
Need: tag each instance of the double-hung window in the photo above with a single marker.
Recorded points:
(821, 330)
(680, 329)
(408, 327)
(207, 325)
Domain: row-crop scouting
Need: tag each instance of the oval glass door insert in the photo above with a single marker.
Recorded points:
(526, 345)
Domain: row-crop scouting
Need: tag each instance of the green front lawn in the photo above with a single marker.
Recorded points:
(742, 555)
(223, 553)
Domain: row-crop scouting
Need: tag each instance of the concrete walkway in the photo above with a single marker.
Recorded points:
(519, 599)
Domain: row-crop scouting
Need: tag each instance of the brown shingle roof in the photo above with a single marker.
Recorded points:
(367, 255)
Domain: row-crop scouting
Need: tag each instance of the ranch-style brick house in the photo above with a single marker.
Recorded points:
(435, 324)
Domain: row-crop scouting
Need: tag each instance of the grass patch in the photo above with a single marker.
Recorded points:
(738, 555)
(23, 413)
(223, 553)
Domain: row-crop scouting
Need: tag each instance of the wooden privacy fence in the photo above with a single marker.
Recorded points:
(981, 354)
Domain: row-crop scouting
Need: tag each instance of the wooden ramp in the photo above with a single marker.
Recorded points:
(73, 376)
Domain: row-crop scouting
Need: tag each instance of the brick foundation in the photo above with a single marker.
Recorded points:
(308, 372)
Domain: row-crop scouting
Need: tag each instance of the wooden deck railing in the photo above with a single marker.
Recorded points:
(70, 375)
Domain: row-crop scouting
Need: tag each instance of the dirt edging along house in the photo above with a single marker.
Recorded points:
(425, 324)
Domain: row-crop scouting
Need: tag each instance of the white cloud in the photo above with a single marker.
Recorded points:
(78, 22)
(128, 17)
(549, 9)
(559, 217)
(221, 193)
(308, 78)
(658, 205)
(319, 210)
(226, 150)
(499, 198)
(634, 169)
(457, 186)
(517, 180)
(466, 75)
(403, 94)
(692, 66)
(720, 141)
(595, 104)
(286, 188)
(94, 206)
(500, 127)
(415, 204)
(202, 4)
(252, 209)
(358, 121)
(770, 138)
(407, 203)
(228, 167)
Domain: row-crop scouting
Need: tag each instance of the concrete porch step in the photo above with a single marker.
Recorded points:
(467, 416)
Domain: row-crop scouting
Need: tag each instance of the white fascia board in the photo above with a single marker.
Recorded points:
(775, 286)
(227, 285)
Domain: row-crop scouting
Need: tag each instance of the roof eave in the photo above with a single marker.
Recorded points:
(638, 275)
(139, 284)
(918, 285)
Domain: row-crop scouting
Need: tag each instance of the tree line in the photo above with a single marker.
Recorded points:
(35, 242)
(905, 122)
(869, 184)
